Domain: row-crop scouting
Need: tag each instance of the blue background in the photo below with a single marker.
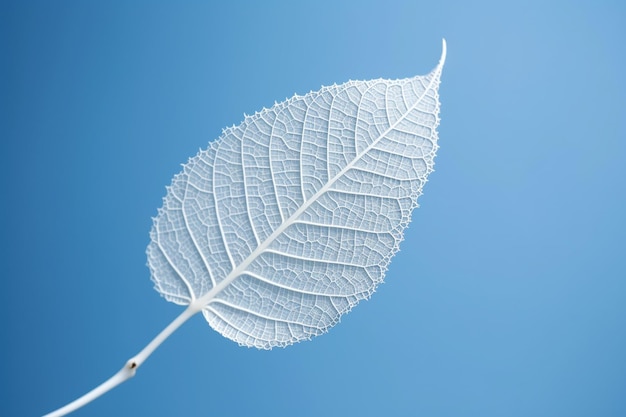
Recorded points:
(508, 297)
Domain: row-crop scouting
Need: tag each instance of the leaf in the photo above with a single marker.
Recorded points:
(288, 220)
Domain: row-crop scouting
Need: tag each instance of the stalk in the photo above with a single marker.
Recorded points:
(130, 368)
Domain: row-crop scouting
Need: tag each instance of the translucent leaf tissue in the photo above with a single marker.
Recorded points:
(291, 218)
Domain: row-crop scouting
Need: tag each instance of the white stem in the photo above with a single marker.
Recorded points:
(130, 368)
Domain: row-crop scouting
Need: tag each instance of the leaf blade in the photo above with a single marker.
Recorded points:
(291, 218)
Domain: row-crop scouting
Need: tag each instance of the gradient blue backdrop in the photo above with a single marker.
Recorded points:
(508, 297)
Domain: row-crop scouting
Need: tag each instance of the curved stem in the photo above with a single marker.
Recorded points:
(130, 368)
(121, 376)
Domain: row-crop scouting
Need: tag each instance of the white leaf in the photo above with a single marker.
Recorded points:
(291, 218)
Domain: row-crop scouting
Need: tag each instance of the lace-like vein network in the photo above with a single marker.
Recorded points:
(312, 195)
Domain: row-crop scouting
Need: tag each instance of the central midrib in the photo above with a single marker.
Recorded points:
(201, 302)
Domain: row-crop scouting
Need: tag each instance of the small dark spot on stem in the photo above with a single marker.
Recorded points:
(133, 365)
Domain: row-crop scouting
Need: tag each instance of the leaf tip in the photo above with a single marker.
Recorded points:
(444, 50)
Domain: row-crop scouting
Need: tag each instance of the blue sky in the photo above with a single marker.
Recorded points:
(508, 296)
